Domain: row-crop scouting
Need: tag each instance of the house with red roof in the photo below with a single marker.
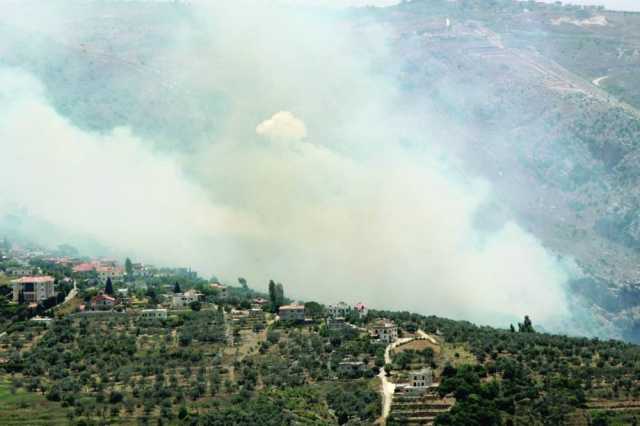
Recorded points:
(103, 302)
(84, 267)
(361, 309)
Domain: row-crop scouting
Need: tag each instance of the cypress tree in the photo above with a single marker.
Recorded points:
(272, 296)
(108, 289)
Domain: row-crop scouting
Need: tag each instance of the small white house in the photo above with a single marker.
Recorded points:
(183, 300)
(421, 379)
(153, 314)
(351, 366)
(42, 320)
(222, 290)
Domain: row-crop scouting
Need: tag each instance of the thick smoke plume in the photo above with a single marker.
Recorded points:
(320, 175)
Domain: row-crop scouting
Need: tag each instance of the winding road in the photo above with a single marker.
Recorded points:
(388, 387)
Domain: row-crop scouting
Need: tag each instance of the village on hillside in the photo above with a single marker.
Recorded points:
(94, 341)
(42, 291)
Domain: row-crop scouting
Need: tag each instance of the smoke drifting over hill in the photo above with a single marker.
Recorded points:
(319, 174)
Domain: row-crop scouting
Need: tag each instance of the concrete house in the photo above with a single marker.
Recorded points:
(256, 314)
(421, 379)
(43, 320)
(339, 310)
(103, 302)
(351, 367)
(385, 330)
(223, 291)
(183, 300)
(34, 289)
(19, 271)
(153, 314)
(293, 312)
(116, 273)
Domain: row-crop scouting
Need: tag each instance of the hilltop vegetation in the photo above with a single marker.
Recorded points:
(198, 367)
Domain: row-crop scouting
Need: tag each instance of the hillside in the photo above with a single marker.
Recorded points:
(164, 346)
(547, 96)
(205, 367)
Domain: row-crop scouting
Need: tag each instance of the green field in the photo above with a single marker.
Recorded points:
(22, 407)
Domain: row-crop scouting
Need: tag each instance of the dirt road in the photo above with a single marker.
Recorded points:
(388, 387)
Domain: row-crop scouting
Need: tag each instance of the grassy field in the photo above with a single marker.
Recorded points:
(68, 308)
(457, 355)
(23, 407)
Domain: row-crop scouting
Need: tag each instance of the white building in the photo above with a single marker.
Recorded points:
(42, 320)
(116, 273)
(19, 271)
(256, 314)
(351, 366)
(223, 292)
(183, 300)
(385, 330)
(34, 289)
(339, 310)
(292, 312)
(153, 314)
(422, 378)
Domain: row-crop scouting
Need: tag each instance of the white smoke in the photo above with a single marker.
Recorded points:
(359, 201)
(283, 125)
(108, 187)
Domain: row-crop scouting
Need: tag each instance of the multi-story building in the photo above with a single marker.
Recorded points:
(422, 378)
(34, 289)
(385, 330)
(339, 310)
(116, 273)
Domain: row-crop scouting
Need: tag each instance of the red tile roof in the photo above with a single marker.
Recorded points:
(103, 297)
(84, 267)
